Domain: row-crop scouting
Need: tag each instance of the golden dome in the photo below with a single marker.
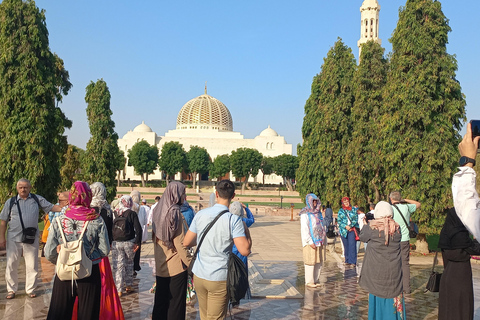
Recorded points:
(205, 112)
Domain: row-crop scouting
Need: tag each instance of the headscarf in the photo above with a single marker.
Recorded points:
(350, 204)
(124, 204)
(384, 221)
(79, 200)
(315, 219)
(166, 214)
(135, 194)
(237, 209)
(212, 199)
(454, 234)
(99, 194)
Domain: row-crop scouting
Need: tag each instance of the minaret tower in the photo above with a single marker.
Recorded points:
(370, 11)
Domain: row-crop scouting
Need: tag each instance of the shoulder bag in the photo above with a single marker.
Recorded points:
(210, 225)
(411, 231)
(355, 229)
(237, 276)
(28, 234)
(433, 284)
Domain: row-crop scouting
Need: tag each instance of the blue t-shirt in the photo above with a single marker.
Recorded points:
(211, 263)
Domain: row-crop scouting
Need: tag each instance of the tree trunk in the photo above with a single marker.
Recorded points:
(288, 184)
(146, 177)
(143, 180)
(263, 178)
(244, 183)
(118, 178)
(194, 179)
(421, 245)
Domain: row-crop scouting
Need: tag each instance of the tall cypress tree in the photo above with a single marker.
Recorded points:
(327, 127)
(32, 78)
(424, 111)
(100, 159)
(365, 169)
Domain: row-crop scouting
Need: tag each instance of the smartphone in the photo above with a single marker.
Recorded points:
(475, 130)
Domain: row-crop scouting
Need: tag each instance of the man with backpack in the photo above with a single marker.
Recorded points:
(210, 267)
(21, 215)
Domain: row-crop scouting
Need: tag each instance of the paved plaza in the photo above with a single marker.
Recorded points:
(277, 283)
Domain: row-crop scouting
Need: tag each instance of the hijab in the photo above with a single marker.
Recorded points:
(454, 235)
(315, 219)
(166, 215)
(384, 221)
(124, 204)
(349, 205)
(79, 200)
(135, 194)
(99, 195)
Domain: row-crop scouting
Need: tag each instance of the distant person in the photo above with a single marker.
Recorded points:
(381, 273)
(149, 220)
(456, 296)
(347, 221)
(404, 207)
(142, 219)
(210, 268)
(187, 211)
(361, 221)
(370, 214)
(144, 222)
(313, 237)
(328, 215)
(28, 205)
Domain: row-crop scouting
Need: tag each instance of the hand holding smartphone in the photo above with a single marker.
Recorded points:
(475, 124)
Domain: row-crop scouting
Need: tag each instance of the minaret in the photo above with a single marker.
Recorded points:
(370, 10)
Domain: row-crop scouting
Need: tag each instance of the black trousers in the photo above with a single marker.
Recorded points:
(171, 298)
(88, 291)
(136, 259)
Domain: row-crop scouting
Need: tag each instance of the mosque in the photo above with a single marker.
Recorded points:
(206, 122)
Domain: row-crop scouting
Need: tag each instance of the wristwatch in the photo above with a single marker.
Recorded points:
(464, 160)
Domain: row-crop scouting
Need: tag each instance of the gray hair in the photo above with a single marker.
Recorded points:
(396, 196)
(24, 180)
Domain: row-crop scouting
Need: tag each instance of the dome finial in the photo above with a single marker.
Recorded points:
(205, 87)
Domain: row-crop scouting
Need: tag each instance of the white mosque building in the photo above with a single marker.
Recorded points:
(206, 122)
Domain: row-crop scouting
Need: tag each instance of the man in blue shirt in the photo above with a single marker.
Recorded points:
(210, 268)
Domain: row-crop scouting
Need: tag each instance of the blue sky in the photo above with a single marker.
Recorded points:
(259, 57)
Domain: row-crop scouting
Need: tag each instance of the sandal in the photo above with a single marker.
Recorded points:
(10, 295)
(129, 290)
(32, 295)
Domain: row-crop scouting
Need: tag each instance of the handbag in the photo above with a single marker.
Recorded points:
(412, 233)
(28, 234)
(210, 225)
(433, 284)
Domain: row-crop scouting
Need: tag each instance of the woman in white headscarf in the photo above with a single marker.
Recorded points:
(381, 273)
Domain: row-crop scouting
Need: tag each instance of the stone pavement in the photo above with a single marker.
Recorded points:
(277, 283)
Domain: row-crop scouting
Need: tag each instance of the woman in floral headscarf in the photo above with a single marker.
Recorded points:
(381, 273)
(78, 216)
(347, 221)
(313, 235)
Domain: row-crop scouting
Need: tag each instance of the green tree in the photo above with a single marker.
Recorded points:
(32, 79)
(102, 148)
(198, 161)
(120, 163)
(245, 162)
(327, 127)
(71, 167)
(424, 112)
(286, 165)
(173, 159)
(266, 167)
(220, 166)
(366, 174)
(144, 159)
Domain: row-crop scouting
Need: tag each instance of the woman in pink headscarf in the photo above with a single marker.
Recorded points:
(78, 216)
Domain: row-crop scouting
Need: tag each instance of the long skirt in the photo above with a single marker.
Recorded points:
(110, 306)
(456, 286)
(386, 309)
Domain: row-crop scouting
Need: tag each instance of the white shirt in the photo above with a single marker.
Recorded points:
(466, 200)
(150, 213)
(360, 220)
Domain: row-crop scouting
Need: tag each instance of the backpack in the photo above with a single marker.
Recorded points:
(122, 229)
(72, 262)
(237, 276)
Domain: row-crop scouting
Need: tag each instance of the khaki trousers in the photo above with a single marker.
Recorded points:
(30, 254)
(212, 298)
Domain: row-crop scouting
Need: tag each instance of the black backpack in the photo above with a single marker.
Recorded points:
(122, 229)
(237, 276)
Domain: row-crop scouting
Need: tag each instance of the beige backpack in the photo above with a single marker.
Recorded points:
(73, 263)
